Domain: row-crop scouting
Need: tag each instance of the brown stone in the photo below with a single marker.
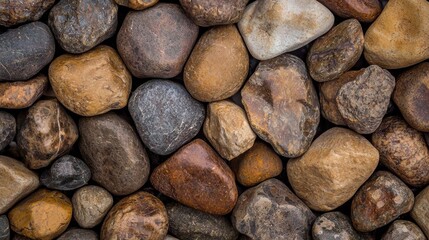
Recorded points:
(103, 82)
(281, 104)
(420, 211)
(138, 216)
(362, 10)
(227, 129)
(43, 215)
(336, 52)
(137, 4)
(15, 12)
(197, 177)
(22, 94)
(218, 65)
(402, 229)
(338, 162)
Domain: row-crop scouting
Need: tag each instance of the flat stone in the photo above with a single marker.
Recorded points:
(15, 12)
(81, 234)
(76, 29)
(22, 94)
(338, 162)
(90, 205)
(271, 211)
(103, 82)
(137, 4)
(420, 211)
(198, 178)
(362, 10)
(165, 115)
(151, 51)
(273, 27)
(4, 228)
(114, 153)
(282, 105)
(7, 129)
(190, 224)
(25, 51)
(336, 52)
(218, 65)
(334, 225)
(382, 199)
(398, 38)
(402, 229)
(47, 132)
(138, 216)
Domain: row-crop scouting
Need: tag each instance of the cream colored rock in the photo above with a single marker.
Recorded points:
(338, 162)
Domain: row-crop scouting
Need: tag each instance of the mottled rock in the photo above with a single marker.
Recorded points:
(218, 65)
(137, 4)
(114, 153)
(334, 225)
(25, 51)
(47, 132)
(103, 82)
(197, 177)
(382, 199)
(22, 94)
(401, 229)
(271, 211)
(79, 25)
(362, 10)
(281, 104)
(7, 129)
(420, 211)
(165, 115)
(398, 38)
(151, 51)
(15, 12)
(43, 215)
(4, 228)
(79, 234)
(139, 216)
(338, 162)
(336, 52)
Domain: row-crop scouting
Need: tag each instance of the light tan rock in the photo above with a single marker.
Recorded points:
(420, 211)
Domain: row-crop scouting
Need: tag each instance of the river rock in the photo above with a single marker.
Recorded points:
(227, 129)
(43, 215)
(334, 225)
(271, 211)
(4, 228)
(398, 38)
(25, 51)
(22, 94)
(362, 10)
(15, 12)
(138, 216)
(47, 132)
(137, 4)
(169, 237)
(420, 211)
(338, 162)
(103, 82)
(282, 105)
(79, 234)
(198, 178)
(76, 29)
(114, 153)
(336, 52)
(165, 115)
(7, 129)
(402, 229)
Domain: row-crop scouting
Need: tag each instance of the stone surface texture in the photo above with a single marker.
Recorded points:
(362, 10)
(22, 94)
(335, 226)
(420, 211)
(402, 229)
(20, 11)
(7, 129)
(79, 234)
(137, 4)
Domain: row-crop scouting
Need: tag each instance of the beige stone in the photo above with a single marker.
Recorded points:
(420, 211)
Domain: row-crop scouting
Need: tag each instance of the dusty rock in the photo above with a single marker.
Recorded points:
(420, 211)
(271, 211)
(281, 104)
(401, 229)
(7, 129)
(79, 234)
(336, 52)
(197, 177)
(338, 162)
(46, 133)
(362, 10)
(114, 153)
(218, 65)
(137, 4)
(15, 12)
(4, 228)
(22, 94)
(398, 38)
(334, 225)
(152, 51)
(227, 129)
(103, 82)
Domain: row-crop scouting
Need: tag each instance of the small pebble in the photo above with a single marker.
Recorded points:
(7, 129)
(22, 94)
(335, 226)
(420, 211)
(362, 10)
(79, 234)
(401, 230)
(137, 4)
(4, 228)
(16, 12)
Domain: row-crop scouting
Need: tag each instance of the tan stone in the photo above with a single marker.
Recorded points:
(22, 94)
(137, 4)
(420, 211)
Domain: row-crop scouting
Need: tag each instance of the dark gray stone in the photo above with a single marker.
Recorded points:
(66, 173)
(403, 230)
(4, 228)
(427, 138)
(79, 234)
(165, 114)
(7, 129)
(335, 226)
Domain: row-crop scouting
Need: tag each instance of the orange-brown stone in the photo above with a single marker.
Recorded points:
(363, 10)
(22, 94)
(137, 4)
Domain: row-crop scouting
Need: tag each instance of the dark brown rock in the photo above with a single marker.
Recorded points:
(335, 226)
(363, 10)
(420, 212)
(137, 4)
(20, 11)
(22, 94)
(7, 129)
(402, 229)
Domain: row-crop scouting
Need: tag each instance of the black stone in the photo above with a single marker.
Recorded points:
(427, 138)
(7, 129)
(79, 234)
(334, 225)
(4, 228)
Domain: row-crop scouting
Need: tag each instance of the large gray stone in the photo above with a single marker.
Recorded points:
(4, 228)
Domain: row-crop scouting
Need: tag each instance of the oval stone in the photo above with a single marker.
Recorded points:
(4, 228)
(362, 10)
(79, 234)
(15, 12)
(402, 229)
(22, 94)
(137, 4)
(420, 211)
(7, 129)
(334, 225)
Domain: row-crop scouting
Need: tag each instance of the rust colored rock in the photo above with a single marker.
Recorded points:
(218, 65)
(138, 216)
(336, 52)
(282, 105)
(197, 177)
(43, 215)
(362, 10)
(402, 229)
(137, 4)
(18, 95)
(382, 199)
(20, 11)
(46, 133)
(103, 82)
(420, 211)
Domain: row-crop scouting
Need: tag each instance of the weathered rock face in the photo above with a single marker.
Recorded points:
(362, 10)
(137, 4)
(75, 234)
(334, 225)
(22, 94)
(151, 51)
(7, 129)
(165, 115)
(398, 38)
(218, 65)
(271, 211)
(25, 51)
(338, 162)
(273, 27)
(114, 153)
(379, 201)
(401, 229)
(281, 104)
(420, 211)
(103, 82)
(46, 133)
(197, 177)
(79, 25)
(4, 228)
(15, 12)
(139, 216)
